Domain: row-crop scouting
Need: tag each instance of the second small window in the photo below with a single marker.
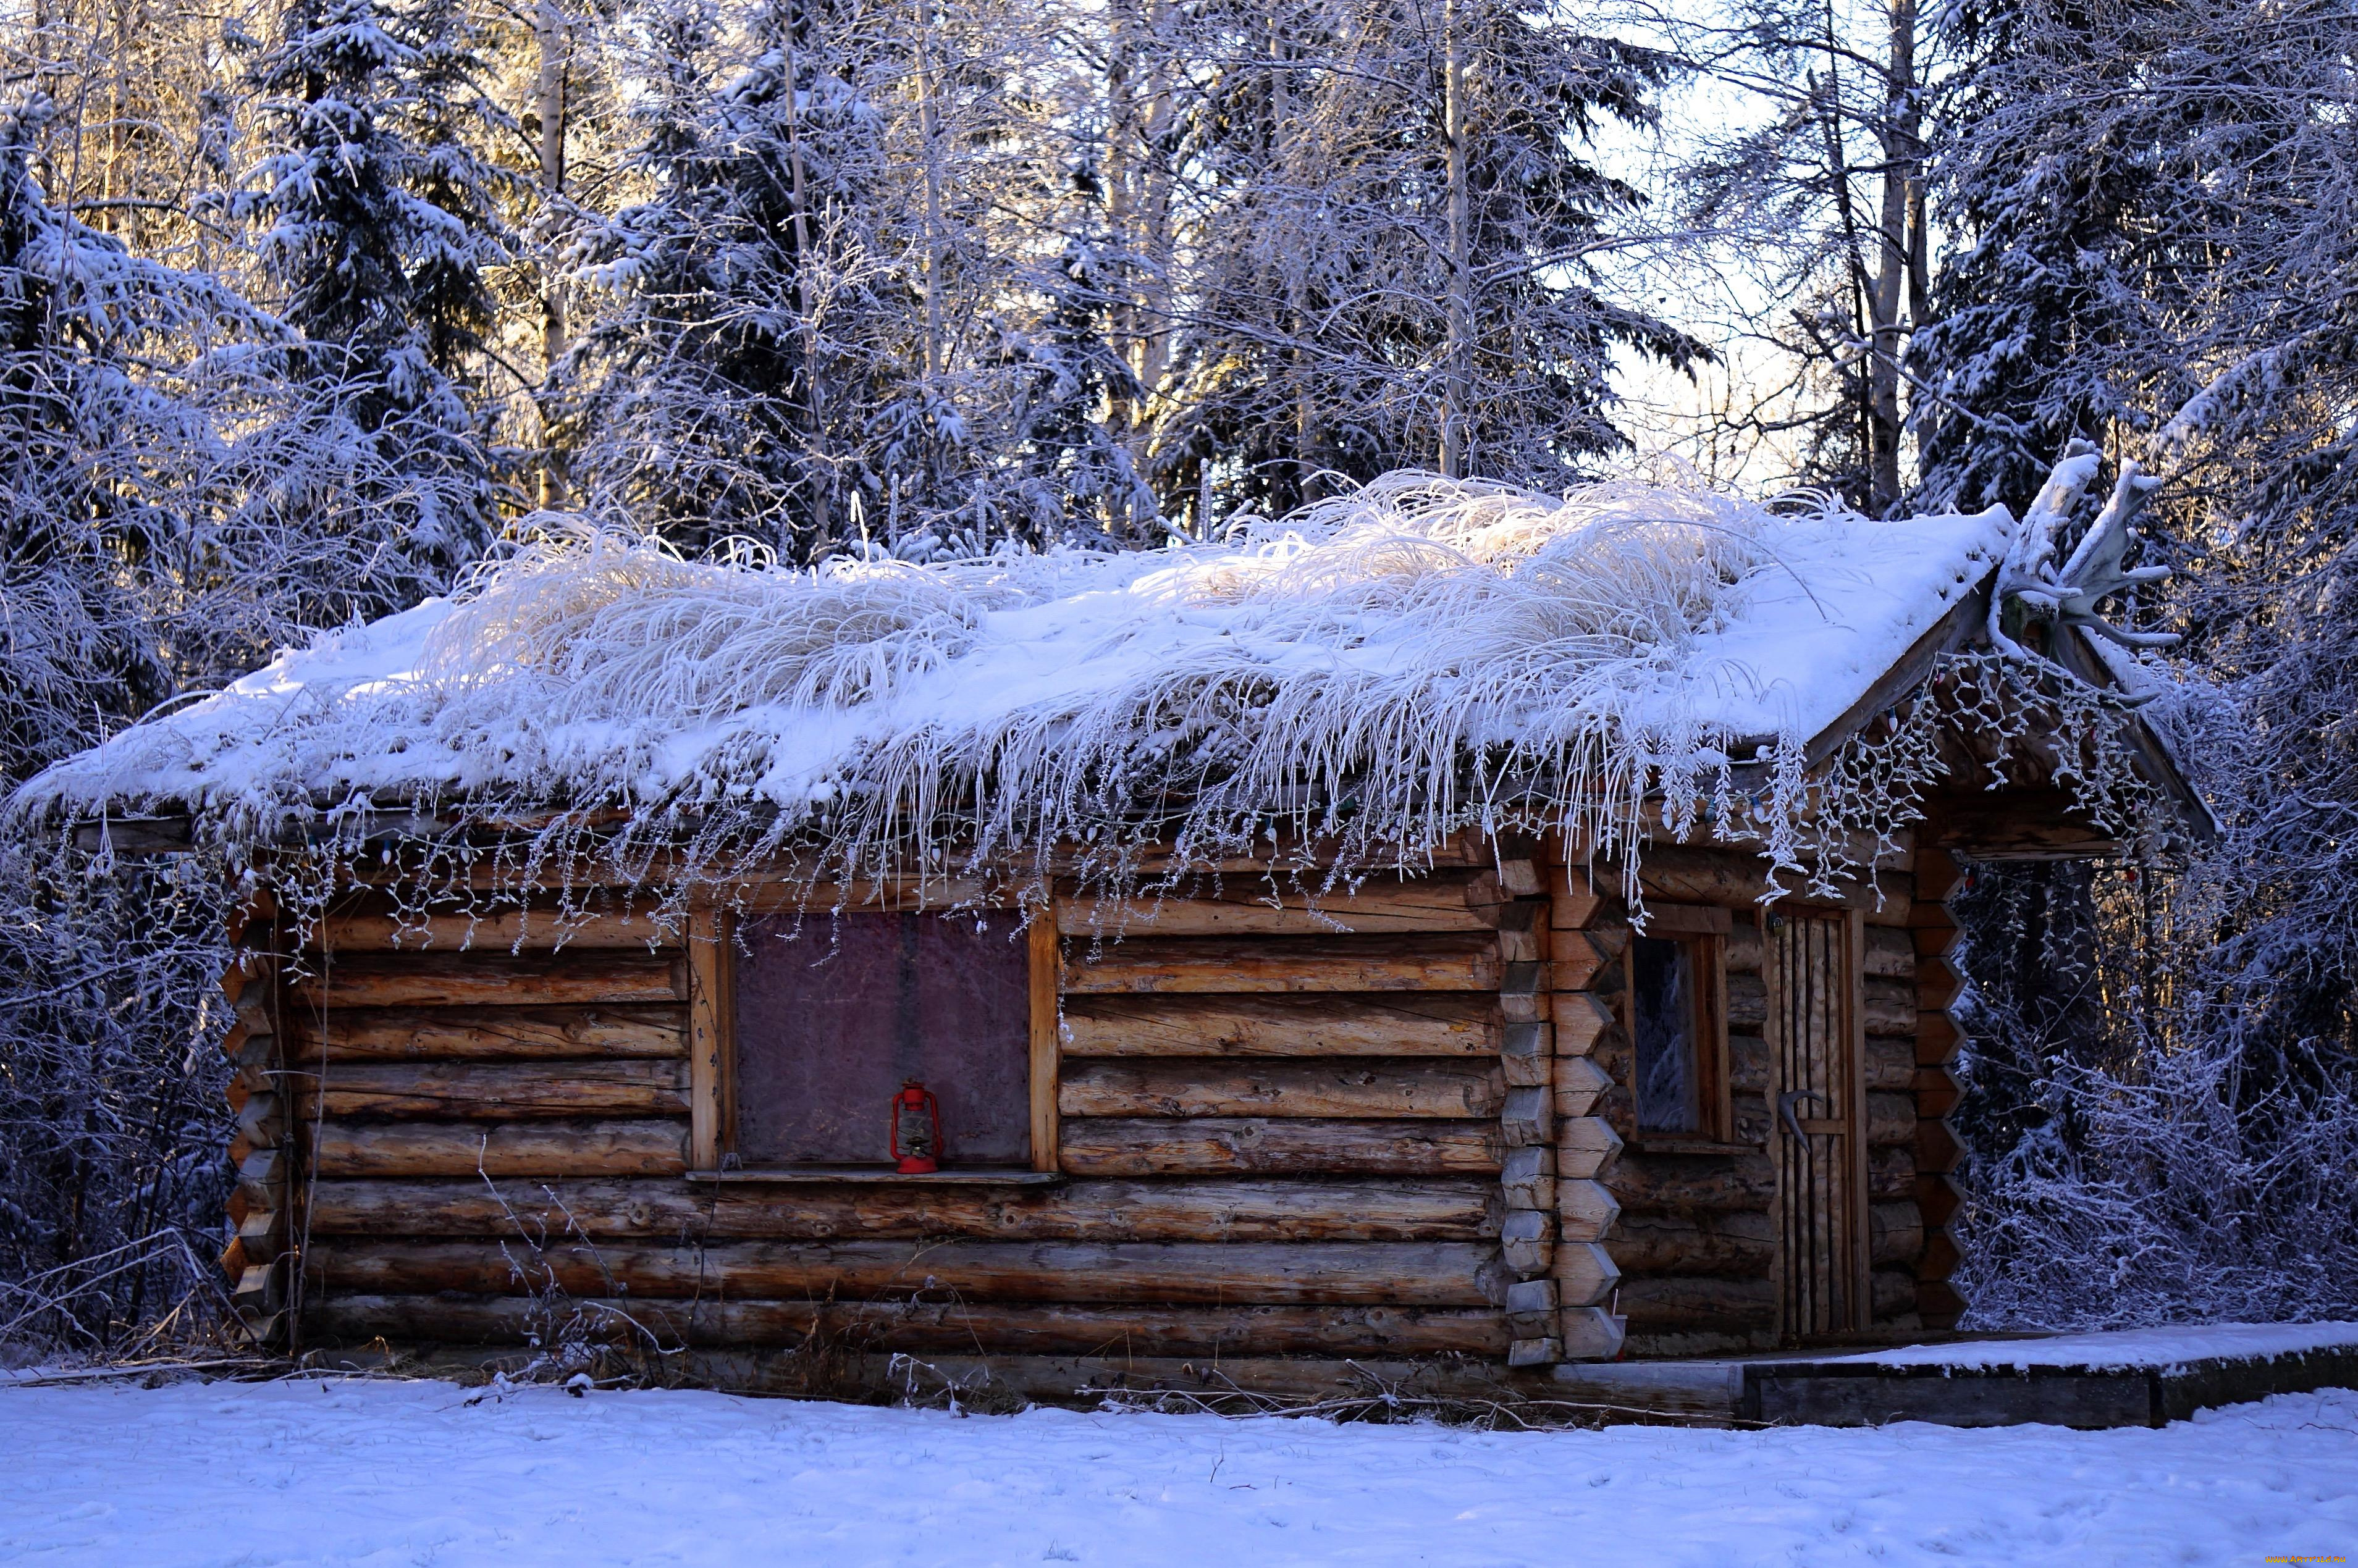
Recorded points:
(1678, 1073)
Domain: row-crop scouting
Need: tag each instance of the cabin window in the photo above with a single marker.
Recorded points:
(831, 1018)
(1678, 1046)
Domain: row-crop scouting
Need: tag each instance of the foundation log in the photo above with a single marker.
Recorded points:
(1437, 1273)
(922, 1325)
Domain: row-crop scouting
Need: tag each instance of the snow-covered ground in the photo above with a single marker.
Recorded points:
(425, 1473)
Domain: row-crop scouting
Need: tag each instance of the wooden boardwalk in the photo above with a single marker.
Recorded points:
(2137, 1377)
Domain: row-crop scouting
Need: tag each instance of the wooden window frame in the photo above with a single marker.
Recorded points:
(1703, 931)
(712, 1059)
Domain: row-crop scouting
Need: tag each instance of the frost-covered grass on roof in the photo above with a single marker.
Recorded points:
(1373, 674)
(1357, 656)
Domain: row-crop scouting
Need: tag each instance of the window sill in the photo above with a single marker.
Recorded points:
(875, 1175)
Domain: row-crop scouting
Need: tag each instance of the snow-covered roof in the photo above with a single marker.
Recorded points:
(1378, 671)
(1372, 639)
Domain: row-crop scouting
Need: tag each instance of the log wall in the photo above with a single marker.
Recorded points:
(1279, 1133)
(1397, 1126)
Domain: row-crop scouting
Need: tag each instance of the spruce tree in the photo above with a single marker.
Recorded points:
(1386, 255)
(822, 329)
(376, 226)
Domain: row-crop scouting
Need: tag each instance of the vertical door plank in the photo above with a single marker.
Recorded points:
(1047, 1029)
(1853, 1113)
(708, 1021)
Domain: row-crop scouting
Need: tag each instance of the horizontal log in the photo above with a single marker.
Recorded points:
(499, 1148)
(1740, 1244)
(1890, 1061)
(2023, 821)
(1577, 956)
(261, 1122)
(919, 1326)
(470, 1090)
(1440, 1208)
(1736, 878)
(1937, 1092)
(1574, 899)
(1940, 1257)
(1245, 910)
(1578, 1084)
(537, 980)
(1663, 1303)
(1937, 985)
(1585, 1208)
(1343, 1086)
(1463, 1025)
(1891, 1117)
(1891, 1292)
(1895, 1233)
(1527, 1053)
(1891, 1168)
(1890, 1006)
(1684, 920)
(1584, 1273)
(1709, 1183)
(1276, 1147)
(1527, 1240)
(1937, 1153)
(1744, 946)
(1590, 1334)
(497, 931)
(1890, 953)
(1580, 1018)
(1445, 962)
(1528, 1119)
(1938, 1199)
(1747, 1004)
(1379, 1273)
(1526, 1177)
(1585, 1146)
(1748, 1063)
(399, 1034)
(1936, 1039)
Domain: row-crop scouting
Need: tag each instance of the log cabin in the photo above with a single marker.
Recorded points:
(1309, 1067)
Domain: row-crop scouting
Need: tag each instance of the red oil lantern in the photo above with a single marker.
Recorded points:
(916, 1128)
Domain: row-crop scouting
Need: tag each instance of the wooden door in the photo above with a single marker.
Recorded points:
(1813, 967)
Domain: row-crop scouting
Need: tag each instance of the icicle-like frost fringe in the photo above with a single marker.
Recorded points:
(1489, 659)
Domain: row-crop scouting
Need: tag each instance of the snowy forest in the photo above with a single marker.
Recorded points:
(308, 307)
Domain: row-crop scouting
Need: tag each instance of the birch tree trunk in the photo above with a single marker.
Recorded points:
(805, 307)
(1896, 239)
(549, 41)
(1457, 350)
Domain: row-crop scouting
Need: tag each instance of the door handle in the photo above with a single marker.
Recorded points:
(1785, 1103)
